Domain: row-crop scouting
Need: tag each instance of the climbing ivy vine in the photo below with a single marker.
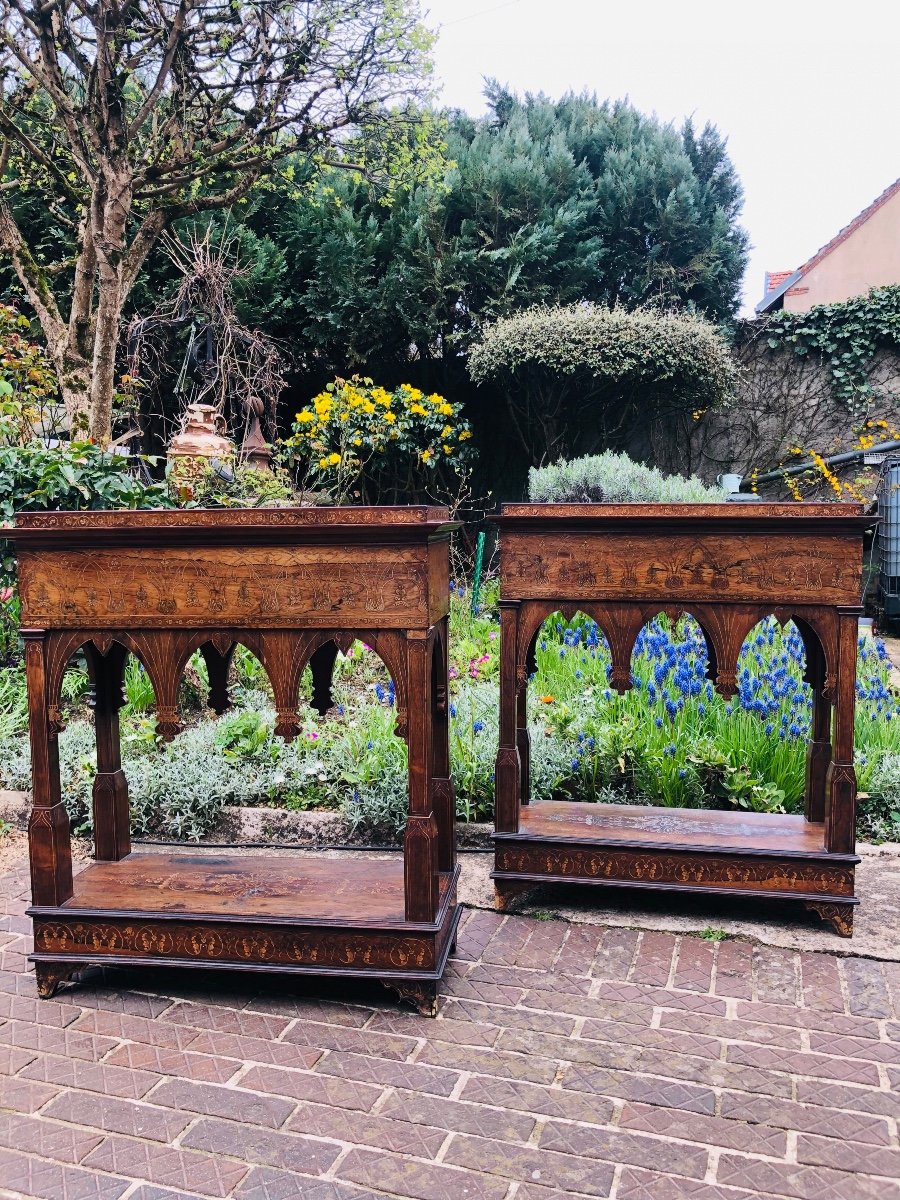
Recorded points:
(847, 336)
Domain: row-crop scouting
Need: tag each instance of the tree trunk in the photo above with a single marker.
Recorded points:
(74, 375)
(103, 367)
(111, 204)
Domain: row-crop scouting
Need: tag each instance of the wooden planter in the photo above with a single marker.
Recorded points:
(727, 565)
(293, 585)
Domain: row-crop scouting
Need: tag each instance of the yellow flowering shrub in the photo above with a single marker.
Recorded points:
(861, 488)
(361, 443)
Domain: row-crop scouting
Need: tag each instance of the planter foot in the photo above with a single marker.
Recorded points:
(838, 916)
(49, 976)
(507, 890)
(420, 993)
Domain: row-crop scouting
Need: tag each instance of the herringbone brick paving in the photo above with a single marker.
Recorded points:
(567, 1061)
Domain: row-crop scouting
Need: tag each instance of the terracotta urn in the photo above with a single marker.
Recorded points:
(202, 435)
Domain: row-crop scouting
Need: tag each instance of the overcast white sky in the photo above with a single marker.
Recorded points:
(806, 91)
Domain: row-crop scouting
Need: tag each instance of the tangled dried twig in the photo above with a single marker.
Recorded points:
(239, 371)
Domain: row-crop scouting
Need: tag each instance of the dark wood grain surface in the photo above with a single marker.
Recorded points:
(637, 823)
(300, 886)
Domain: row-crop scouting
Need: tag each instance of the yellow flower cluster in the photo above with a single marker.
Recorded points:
(419, 403)
(827, 474)
(793, 487)
(352, 420)
(839, 488)
(868, 440)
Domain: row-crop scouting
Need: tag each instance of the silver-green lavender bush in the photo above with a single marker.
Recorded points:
(613, 479)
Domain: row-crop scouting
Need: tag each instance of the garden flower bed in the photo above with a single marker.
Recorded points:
(669, 740)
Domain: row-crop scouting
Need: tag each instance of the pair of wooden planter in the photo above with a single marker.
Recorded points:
(296, 585)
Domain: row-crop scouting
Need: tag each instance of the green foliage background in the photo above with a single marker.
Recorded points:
(541, 202)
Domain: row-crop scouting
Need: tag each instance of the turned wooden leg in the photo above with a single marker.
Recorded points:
(507, 769)
(818, 760)
(840, 783)
(445, 816)
(420, 843)
(838, 916)
(420, 868)
(443, 794)
(112, 833)
(818, 754)
(49, 844)
(523, 745)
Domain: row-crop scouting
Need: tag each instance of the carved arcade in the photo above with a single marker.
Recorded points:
(727, 566)
(294, 586)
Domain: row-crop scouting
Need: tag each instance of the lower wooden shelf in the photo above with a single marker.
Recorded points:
(303, 914)
(733, 853)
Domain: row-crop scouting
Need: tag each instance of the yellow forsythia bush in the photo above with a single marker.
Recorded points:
(363, 444)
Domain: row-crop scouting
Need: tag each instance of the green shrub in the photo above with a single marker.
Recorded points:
(878, 811)
(581, 375)
(613, 479)
(13, 703)
(200, 485)
(73, 475)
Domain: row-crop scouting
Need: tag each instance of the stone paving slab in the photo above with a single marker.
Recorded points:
(568, 1060)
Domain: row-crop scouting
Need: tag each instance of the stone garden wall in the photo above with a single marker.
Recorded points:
(783, 400)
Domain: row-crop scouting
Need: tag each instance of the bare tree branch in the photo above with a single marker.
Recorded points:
(128, 116)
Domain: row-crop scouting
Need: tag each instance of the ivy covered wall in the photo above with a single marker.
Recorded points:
(807, 381)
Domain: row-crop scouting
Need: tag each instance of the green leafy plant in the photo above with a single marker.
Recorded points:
(713, 935)
(28, 386)
(231, 486)
(243, 735)
(71, 475)
(139, 694)
(10, 610)
(878, 808)
(13, 703)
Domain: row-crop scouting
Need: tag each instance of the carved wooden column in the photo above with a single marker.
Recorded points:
(321, 664)
(112, 833)
(420, 841)
(218, 664)
(49, 845)
(523, 742)
(507, 772)
(818, 754)
(443, 795)
(840, 803)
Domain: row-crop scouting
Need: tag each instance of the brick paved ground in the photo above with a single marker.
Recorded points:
(567, 1060)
